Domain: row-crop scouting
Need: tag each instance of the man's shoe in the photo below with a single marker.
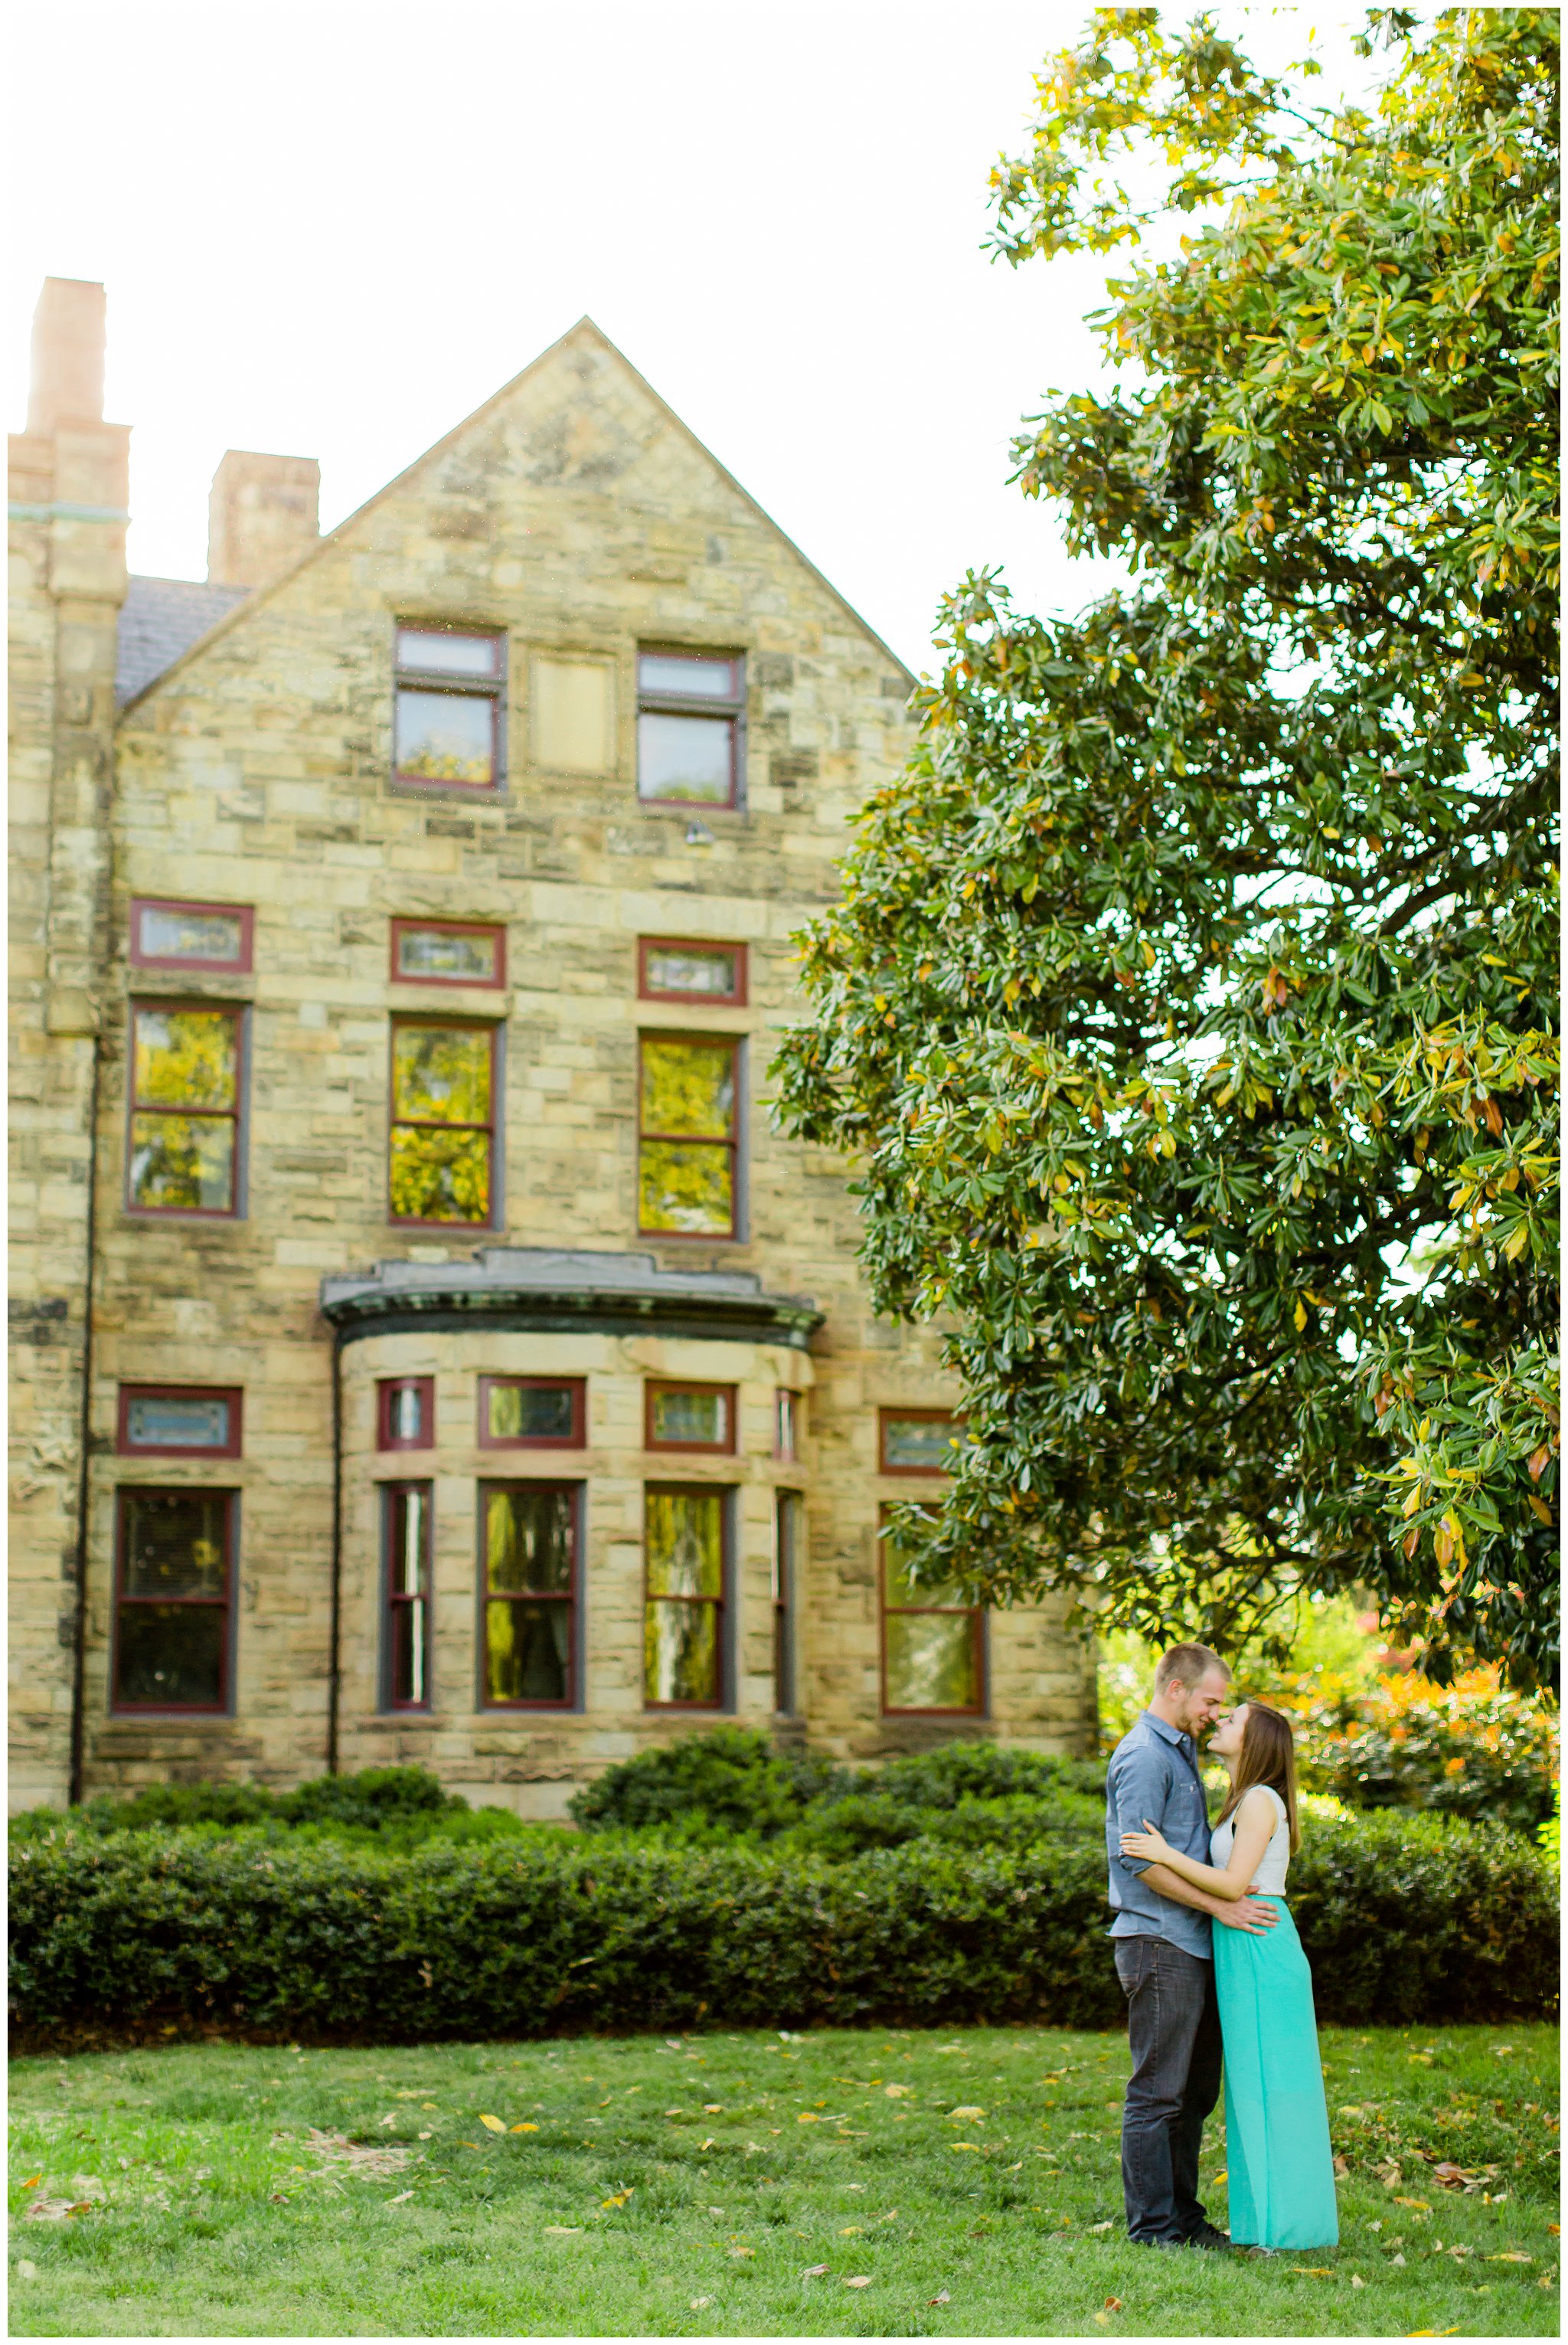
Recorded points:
(1207, 2236)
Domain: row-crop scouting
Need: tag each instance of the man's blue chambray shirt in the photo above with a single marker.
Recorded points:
(1153, 1774)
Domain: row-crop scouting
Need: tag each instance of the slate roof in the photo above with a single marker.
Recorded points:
(159, 619)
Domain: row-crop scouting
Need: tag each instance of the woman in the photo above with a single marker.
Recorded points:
(1276, 2121)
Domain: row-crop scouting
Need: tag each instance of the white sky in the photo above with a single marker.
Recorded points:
(333, 230)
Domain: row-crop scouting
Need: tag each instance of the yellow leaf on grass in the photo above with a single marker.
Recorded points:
(1311, 2271)
(806, 2117)
(964, 2144)
(862, 2279)
(1510, 2256)
(1223, 2176)
(1420, 2205)
(523, 2128)
(897, 2092)
(494, 2124)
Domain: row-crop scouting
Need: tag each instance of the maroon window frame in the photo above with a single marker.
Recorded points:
(649, 992)
(576, 1439)
(725, 1495)
(407, 674)
(732, 1043)
(657, 1384)
(568, 1598)
(240, 966)
(387, 1390)
(907, 1416)
(408, 1610)
(974, 1613)
(125, 1498)
(789, 1514)
(494, 928)
(730, 707)
(787, 1424)
(239, 1013)
(492, 1027)
(129, 1394)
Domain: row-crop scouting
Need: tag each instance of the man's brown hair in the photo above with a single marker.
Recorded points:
(1188, 1663)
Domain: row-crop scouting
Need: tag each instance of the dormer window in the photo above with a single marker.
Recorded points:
(450, 688)
(689, 711)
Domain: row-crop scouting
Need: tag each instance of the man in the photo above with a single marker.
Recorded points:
(1163, 1955)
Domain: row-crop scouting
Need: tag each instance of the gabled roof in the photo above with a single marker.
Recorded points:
(584, 329)
(160, 619)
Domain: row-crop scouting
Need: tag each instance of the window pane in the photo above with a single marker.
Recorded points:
(691, 1416)
(685, 1188)
(689, 673)
(921, 1444)
(405, 1413)
(686, 757)
(688, 1088)
(786, 1433)
(408, 1525)
(528, 1541)
(173, 1543)
(442, 1074)
(685, 1543)
(171, 1653)
(690, 968)
(183, 1163)
(445, 654)
(902, 1589)
(933, 1661)
(440, 1176)
(160, 1423)
(528, 1653)
(530, 1413)
(446, 736)
(186, 1058)
(408, 1654)
(165, 932)
(680, 1652)
(444, 953)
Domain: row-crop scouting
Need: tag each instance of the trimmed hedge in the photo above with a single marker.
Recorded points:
(1406, 1920)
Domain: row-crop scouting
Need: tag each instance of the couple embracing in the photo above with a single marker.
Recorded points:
(1210, 1964)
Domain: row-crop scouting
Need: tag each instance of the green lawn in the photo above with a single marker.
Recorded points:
(968, 2180)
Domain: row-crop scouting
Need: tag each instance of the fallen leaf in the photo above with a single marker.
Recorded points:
(941, 2297)
(1510, 2256)
(398, 2199)
(32, 2182)
(1342, 2166)
(902, 2093)
(962, 2116)
(1096, 2228)
(1311, 2271)
(1420, 2205)
(814, 2271)
(1102, 2321)
(1454, 2177)
(706, 2145)
(491, 2125)
(806, 2117)
(562, 2230)
(743, 2251)
(1356, 2280)
(1396, 2260)
(26, 2270)
(619, 2199)
(1113, 2304)
(963, 2145)
(862, 2281)
(1223, 2176)
(700, 2303)
(851, 2230)
(1424, 2059)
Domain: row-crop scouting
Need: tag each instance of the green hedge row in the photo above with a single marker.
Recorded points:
(1406, 1920)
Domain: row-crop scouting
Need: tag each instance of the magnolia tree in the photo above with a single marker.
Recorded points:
(1189, 1007)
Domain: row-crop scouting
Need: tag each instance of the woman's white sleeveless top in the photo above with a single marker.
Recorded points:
(1274, 1864)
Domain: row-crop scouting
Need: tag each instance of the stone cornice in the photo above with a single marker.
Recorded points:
(553, 1291)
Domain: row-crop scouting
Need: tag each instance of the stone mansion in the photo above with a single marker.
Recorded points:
(424, 1346)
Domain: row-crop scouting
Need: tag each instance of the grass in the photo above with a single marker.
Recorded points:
(688, 2186)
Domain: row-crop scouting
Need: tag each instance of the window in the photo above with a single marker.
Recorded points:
(673, 969)
(529, 1534)
(787, 1510)
(931, 1641)
(689, 1417)
(187, 1085)
(686, 1542)
(172, 1596)
(918, 1441)
(443, 1122)
(406, 1412)
(532, 1412)
(787, 1426)
(689, 710)
(447, 952)
(406, 1520)
(190, 935)
(448, 707)
(687, 1128)
(179, 1421)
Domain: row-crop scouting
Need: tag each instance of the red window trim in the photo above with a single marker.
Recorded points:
(918, 1416)
(730, 709)
(646, 992)
(731, 1043)
(241, 967)
(385, 1387)
(655, 1385)
(576, 1439)
(974, 1613)
(783, 1393)
(238, 1115)
(233, 1393)
(224, 1603)
(391, 1491)
(496, 929)
(490, 1025)
(571, 1598)
(789, 1505)
(724, 1493)
(491, 687)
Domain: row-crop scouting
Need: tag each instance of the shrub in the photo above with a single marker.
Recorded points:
(1471, 1749)
(847, 1828)
(982, 1771)
(1405, 1919)
(717, 1783)
(404, 1804)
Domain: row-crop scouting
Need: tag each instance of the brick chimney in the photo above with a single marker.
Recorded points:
(263, 513)
(68, 337)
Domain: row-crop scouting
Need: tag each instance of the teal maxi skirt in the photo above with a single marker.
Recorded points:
(1277, 2152)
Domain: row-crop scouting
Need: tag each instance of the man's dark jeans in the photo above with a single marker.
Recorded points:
(1173, 2025)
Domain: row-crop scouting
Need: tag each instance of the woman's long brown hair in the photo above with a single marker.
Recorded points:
(1267, 1756)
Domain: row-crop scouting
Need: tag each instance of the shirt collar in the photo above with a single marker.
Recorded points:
(1169, 1732)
